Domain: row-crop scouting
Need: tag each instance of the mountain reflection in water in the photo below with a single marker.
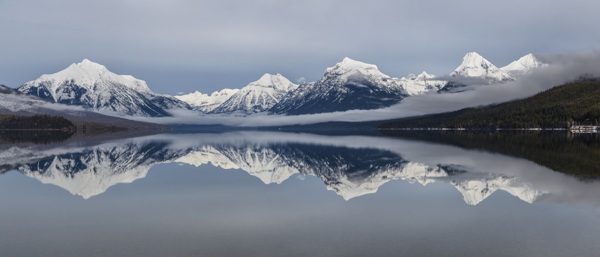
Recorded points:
(350, 166)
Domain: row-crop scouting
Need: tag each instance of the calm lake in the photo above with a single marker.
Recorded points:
(298, 194)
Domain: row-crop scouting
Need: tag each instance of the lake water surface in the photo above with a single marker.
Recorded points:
(295, 194)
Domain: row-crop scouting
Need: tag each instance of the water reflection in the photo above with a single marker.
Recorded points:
(350, 166)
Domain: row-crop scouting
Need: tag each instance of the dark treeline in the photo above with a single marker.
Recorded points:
(35, 136)
(39, 129)
(559, 107)
(36, 122)
(573, 154)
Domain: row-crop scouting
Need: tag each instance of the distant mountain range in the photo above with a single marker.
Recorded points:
(353, 85)
(346, 86)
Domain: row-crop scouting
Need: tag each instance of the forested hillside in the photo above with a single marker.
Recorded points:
(35, 122)
(558, 107)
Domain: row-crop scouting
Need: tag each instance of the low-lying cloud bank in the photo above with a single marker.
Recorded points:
(563, 68)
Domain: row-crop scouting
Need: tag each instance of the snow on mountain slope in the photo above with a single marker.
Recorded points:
(523, 65)
(349, 67)
(89, 75)
(351, 85)
(94, 87)
(475, 66)
(257, 96)
(346, 86)
(12, 101)
(207, 103)
(421, 84)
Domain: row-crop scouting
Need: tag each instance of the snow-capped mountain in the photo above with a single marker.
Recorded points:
(94, 87)
(348, 85)
(421, 84)
(523, 65)
(207, 103)
(475, 66)
(257, 96)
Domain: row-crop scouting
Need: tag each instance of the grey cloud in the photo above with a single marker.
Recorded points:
(207, 45)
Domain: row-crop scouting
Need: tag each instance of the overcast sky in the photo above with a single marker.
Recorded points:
(182, 46)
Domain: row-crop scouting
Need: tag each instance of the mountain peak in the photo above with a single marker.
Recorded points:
(424, 75)
(84, 68)
(268, 78)
(474, 65)
(473, 59)
(348, 60)
(206, 102)
(348, 63)
(529, 55)
(523, 65)
(88, 63)
(472, 55)
(87, 74)
(258, 96)
(349, 66)
(276, 81)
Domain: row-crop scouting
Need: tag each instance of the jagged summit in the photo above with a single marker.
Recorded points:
(523, 65)
(258, 96)
(267, 78)
(276, 81)
(89, 66)
(205, 102)
(349, 63)
(474, 65)
(424, 75)
(350, 66)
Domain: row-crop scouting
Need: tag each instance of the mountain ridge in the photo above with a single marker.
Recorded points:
(348, 85)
